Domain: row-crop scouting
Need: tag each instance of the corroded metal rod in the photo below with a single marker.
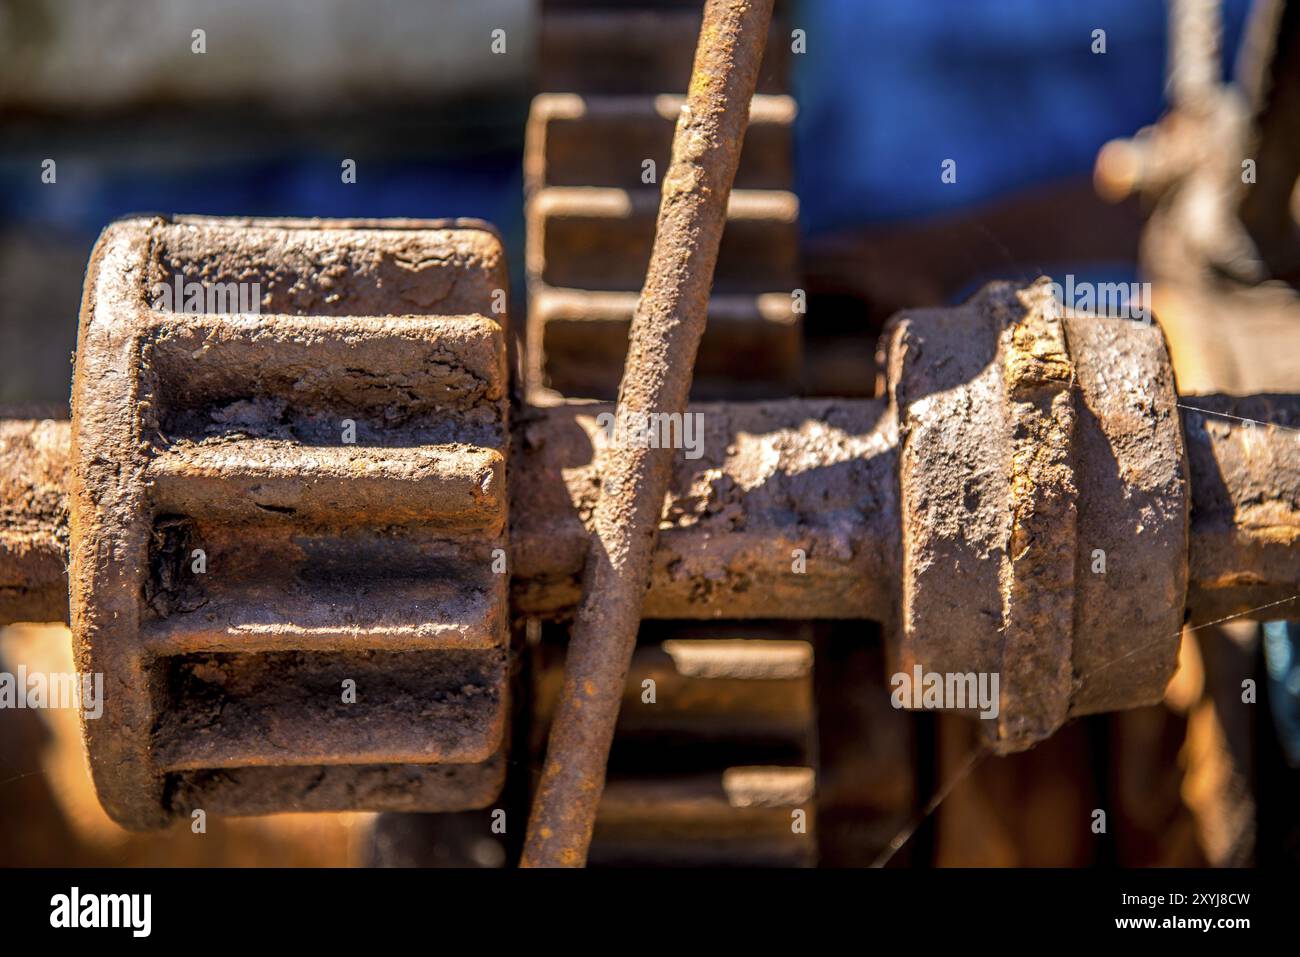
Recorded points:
(730, 555)
(666, 331)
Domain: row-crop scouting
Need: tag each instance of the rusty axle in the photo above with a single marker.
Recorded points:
(726, 544)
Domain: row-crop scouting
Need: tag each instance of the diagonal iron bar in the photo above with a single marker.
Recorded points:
(666, 331)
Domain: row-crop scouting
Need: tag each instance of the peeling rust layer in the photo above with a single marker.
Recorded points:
(779, 486)
(404, 381)
(761, 485)
(1038, 603)
(948, 393)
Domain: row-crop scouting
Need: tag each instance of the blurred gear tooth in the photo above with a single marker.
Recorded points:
(714, 756)
(596, 149)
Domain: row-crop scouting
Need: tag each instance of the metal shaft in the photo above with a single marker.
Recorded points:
(1245, 482)
(666, 331)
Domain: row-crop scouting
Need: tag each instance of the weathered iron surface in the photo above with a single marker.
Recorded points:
(1044, 505)
(798, 483)
(793, 509)
(790, 511)
(34, 446)
(666, 332)
(1244, 455)
(283, 525)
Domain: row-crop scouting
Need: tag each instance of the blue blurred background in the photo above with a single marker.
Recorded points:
(1009, 90)
(887, 90)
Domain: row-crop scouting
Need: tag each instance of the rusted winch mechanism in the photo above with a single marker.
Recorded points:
(1030, 500)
